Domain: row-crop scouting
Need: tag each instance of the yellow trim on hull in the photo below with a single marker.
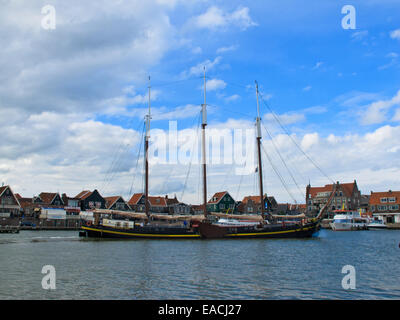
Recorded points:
(144, 235)
(266, 233)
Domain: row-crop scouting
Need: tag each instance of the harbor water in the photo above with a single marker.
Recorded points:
(200, 269)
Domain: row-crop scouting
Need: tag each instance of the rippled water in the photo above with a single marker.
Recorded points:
(200, 269)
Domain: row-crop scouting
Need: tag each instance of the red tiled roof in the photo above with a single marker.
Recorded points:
(48, 197)
(255, 199)
(2, 189)
(218, 196)
(111, 200)
(83, 195)
(346, 187)
(154, 201)
(375, 197)
(158, 202)
(25, 202)
(135, 198)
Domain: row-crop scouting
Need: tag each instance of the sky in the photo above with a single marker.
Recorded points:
(73, 95)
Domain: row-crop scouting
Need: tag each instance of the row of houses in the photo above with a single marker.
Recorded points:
(347, 196)
(13, 205)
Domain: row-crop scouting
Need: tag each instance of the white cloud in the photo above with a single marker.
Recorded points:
(308, 88)
(197, 50)
(376, 112)
(316, 110)
(233, 97)
(309, 140)
(215, 18)
(226, 49)
(286, 118)
(199, 68)
(359, 35)
(215, 84)
(397, 115)
(83, 62)
(395, 34)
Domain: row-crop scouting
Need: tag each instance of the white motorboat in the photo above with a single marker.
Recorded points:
(346, 220)
(376, 224)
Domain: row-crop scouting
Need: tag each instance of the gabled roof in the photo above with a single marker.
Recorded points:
(4, 188)
(218, 196)
(135, 198)
(111, 200)
(347, 188)
(255, 199)
(48, 197)
(375, 197)
(171, 201)
(154, 201)
(83, 195)
(158, 201)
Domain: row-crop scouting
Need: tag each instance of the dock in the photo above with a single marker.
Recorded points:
(9, 229)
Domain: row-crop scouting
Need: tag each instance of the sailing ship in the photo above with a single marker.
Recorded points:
(121, 224)
(213, 227)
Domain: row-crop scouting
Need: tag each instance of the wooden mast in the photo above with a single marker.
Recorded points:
(204, 162)
(146, 151)
(258, 125)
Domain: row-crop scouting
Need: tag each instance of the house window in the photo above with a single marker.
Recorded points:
(120, 206)
(392, 199)
(249, 209)
(222, 206)
(394, 207)
(383, 200)
(7, 200)
(382, 208)
(372, 208)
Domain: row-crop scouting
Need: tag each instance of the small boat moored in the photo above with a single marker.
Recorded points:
(347, 220)
(376, 224)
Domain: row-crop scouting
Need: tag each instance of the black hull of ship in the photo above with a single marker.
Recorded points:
(271, 231)
(146, 232)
